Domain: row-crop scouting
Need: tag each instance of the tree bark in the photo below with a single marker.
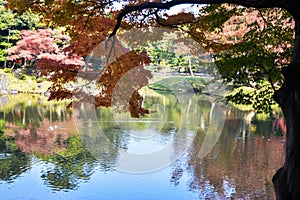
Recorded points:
(287, 179)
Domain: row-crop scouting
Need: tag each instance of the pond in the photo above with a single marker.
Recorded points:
(186, 148)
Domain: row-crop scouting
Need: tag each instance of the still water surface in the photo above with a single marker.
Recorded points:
(50, 152)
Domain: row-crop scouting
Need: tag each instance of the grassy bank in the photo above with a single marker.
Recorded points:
(24, 83)
(180, 84)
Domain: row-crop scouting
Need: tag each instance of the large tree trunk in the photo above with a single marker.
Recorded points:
(287, 179)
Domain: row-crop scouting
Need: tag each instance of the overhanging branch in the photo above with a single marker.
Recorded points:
(167, 5)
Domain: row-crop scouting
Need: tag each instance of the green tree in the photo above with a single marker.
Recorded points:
(255, 61)
(163, 53)
(10, 26)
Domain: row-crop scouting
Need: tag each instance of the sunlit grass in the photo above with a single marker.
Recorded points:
(27, 84)
(172, 83)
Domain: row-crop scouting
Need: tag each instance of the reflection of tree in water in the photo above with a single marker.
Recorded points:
(12, 161)
(229, 164)
(274, 124)
(47, 132)
(166, 108)
(13, 166)
(176, 110)
(36, 127)
(201, 124)
(240, 165)
(23, 114)
(66, 169)
(102, 138)
(108, 136)
(26, 129)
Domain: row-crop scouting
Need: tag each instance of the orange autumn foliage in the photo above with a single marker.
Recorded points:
(88, 24)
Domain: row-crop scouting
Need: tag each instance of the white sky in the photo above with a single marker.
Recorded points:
(174, 10)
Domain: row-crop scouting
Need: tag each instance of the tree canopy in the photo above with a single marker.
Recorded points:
(10, 26)
(250, 45)
(35, 44)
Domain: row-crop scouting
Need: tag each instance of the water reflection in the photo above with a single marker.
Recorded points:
(242, 163)
(12, 166)
(41, 136)
(70, 167)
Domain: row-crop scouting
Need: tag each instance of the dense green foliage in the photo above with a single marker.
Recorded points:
(166, 54)
(10, 25)
(258, 45)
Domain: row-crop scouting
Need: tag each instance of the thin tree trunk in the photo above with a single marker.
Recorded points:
(190, 66)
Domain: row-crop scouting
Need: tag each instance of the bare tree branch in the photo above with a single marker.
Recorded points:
(167, 5)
